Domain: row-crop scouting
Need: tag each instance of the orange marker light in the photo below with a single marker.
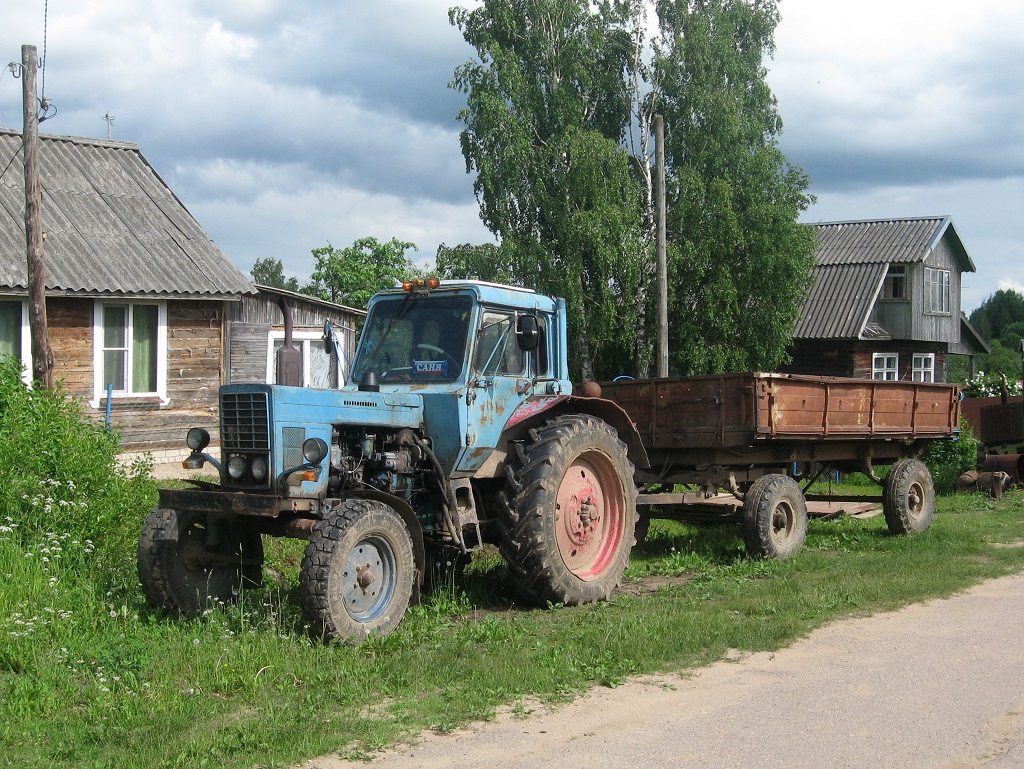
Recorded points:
(433, 283)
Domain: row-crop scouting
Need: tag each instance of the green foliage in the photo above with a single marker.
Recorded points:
(486, 261)
(60, 471)
(1003, 360)
(999, 311)
(90, 677)
(740, 262)
(949, 459)
(558, 87)
(990, 385)
(270, 272)
(1012, 336)
(546, 110)
(350, 276)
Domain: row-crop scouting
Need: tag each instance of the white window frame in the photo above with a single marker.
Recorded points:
(885, 366)
(936, 291)
(923, 368)
(99, 386)
(301, 338)
(26, 338)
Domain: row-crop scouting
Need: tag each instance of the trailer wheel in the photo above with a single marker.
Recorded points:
(774, 517)
(569, 512)
(357, 572)
(908, 497)
(181, 570)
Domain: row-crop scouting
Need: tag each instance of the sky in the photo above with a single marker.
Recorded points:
(286, 124)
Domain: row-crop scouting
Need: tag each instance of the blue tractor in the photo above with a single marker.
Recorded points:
(457, 427)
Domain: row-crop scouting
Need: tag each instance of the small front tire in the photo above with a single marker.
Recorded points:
(358, 572)
(185, 565)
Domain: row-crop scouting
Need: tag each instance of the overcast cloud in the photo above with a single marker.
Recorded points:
(285, 125)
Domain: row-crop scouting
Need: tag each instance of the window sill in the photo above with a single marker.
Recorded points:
(130, 401)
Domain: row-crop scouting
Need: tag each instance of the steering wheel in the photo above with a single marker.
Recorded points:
(447, 356)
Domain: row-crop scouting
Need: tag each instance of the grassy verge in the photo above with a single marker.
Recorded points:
(89, 677)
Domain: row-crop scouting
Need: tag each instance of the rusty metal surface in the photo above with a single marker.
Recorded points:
(1002, 423)
(1011, 464)
(223, 502)
(738, 410)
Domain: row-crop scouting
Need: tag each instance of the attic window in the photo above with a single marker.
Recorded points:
(895, 285)
(936, 291)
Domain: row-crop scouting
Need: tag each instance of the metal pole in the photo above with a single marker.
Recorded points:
(42, 357)
(659, 161)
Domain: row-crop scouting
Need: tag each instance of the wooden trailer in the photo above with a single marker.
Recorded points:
(735, 446)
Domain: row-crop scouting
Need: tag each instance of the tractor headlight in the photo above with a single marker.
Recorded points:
(260, 468)
(314, 450)
(197, 439)
(237, 467)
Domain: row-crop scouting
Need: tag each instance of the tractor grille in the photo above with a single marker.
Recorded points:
(244, 422)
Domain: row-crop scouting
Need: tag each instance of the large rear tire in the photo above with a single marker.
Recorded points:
(908, 497)
(184, 565)
(774, 517)
(358, 572)
(569, 512)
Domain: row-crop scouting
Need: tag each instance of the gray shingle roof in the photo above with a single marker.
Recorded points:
(112, 225)
(851, 262)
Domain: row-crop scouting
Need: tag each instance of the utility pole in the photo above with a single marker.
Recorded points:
(42, 356)
(659, 162)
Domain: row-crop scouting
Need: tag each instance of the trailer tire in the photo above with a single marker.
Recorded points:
(908, 497)
(174, 572)
(774, 517)
(569, 512)
(357, 572)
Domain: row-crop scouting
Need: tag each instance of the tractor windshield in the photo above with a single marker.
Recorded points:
(415, 339)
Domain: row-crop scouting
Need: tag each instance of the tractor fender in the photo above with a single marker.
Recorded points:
(537, 410)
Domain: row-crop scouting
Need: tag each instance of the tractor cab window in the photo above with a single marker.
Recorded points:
(497, 350)
(415, 339)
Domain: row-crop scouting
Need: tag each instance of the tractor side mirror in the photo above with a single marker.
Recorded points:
(328, 337)
(528, 332)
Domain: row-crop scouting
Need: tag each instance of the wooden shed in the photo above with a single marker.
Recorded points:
(137, 294)
(255, 330)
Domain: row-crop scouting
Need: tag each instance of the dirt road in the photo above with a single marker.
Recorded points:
(937, 685)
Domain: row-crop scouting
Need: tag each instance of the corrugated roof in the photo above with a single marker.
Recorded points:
(851, 262)
(887, 240)
(840, 301)
(112, 226)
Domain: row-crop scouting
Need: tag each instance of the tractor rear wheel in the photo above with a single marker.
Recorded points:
(569, 512)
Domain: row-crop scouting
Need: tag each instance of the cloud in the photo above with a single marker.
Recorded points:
(283, 125)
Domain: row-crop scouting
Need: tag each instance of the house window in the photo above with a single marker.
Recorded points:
(321, 370)
(895, 285)
(131, 348)
(15, 337)
(885, 365)
(924, 367)
(936, 290)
